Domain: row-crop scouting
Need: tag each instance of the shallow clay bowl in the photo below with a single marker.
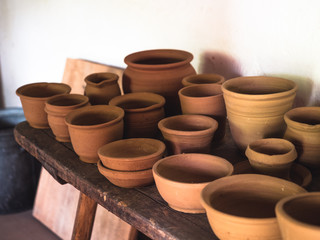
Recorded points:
(131, 154)
(242, 206)
(204, 78)
(180, 178)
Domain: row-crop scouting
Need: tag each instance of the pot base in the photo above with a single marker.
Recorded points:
(89, 160)
(186, 210)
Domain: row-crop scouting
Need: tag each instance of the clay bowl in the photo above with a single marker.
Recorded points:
(33, 97)
(127, 179)
(180, 178)
(298, 216)
(188, 133)
(204, 78)
(131, 154)
(242, 206)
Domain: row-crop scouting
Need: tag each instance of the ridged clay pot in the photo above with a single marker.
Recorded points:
(242, 206)
(92, 127)
(256, 106)
(57, 108)
(303, 130)
(204, 78)
(143, 111)
(159, 71)
(181, 178)
(33, 98)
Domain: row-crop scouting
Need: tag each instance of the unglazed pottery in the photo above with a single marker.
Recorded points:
(205, 99)
(180, 178)
(92, 127)
(131, 154)
(242, 206)
(188, 133)
(298, 216)
(204, 78)
(255, 107)
(143, 111)
(303, 130)
(159, 71)
(101, 87)
(272, 156)
(57, 108)
(33, 97)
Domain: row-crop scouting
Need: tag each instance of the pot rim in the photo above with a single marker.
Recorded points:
(119, 174)
(107, 76)
(299, 125)
(201, 86)
(208, 76)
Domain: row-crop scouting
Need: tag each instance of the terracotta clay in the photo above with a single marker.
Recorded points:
(204, 78)
(33, 97)
(180, 178)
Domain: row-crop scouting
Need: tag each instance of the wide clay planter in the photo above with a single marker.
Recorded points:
(242, 206)
(303, 130)
(188, 133)
(92, 127)
(159, 71)
(272, 156)
(143, 111)
(205, 99)
(33, 98)
(57, 108)
(131, 154)
(204, 78)
(101, 87)
(181, 178)
(298, 216)
(256, 106)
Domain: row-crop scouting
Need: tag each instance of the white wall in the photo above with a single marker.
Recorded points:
(232, 37)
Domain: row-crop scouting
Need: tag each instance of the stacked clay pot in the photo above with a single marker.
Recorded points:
(204, 78)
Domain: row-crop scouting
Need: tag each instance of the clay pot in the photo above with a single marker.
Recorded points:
(298, 216)
(255, 107)
(303, 130)
(242, 206)
(127, 179)
(188, 133)
(272, 156)
(92, 127)
(159, 71)
(101, 87)
(205, 99)
(204, 78)
(131, 154)
(33, 97)
(57, 108)
(143, 111)
(180, 178)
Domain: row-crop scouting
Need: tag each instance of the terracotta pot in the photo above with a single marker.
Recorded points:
(57, 108)
(143, 111)
(272, 156)
(188, 133)
(101, 87)
(92, 127)
(242, 206)
(180, 178)
(255, 107)
(303, 130)
(33, 97)
(204, 78)
(205, 99)
(131, 154)
(298, 216)
(159, 71)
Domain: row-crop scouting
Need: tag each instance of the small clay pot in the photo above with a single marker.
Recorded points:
(143, 111)
(204, 78)
(57, 108)
(298, 216)
(242, 206)
(102, 87)
(188, 133)
(131, 154)
(272, 156)
(180, 178)
(33, 97)
(92, 127)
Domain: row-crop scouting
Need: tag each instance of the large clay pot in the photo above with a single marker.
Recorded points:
(256, 106)
(303, 130)
(204, 78)
(158, 71)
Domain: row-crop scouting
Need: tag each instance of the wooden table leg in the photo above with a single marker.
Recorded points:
(83, 223)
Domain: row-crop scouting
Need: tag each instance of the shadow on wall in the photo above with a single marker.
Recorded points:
(1, 91)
